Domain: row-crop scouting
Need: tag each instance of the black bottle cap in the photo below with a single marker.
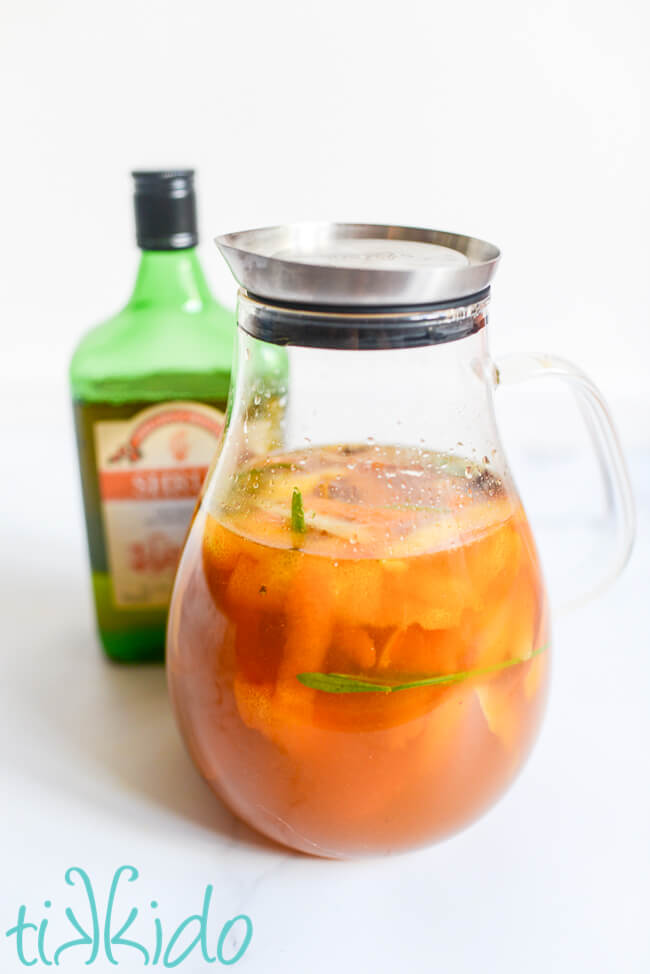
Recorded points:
(165, 209)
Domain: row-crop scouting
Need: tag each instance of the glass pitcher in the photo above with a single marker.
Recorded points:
(358, 640)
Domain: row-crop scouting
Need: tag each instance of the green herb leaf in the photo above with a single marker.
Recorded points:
(297, 512)
(347, 683)
(341, 683)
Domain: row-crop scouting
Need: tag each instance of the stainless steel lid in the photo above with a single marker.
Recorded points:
(358, 264)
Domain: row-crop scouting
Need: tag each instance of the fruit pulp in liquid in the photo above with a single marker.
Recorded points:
(388, 565)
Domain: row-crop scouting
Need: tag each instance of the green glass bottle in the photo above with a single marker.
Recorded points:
(149, 389)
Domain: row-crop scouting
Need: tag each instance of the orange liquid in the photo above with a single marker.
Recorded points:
(412, 565)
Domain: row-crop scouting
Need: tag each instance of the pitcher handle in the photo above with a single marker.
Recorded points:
(620, 502)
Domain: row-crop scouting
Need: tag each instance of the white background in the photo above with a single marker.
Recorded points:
(524, 123)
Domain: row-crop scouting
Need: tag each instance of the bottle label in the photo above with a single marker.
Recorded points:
(151, 468)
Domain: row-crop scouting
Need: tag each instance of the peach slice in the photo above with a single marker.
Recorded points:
(501, 704)
(262, 581)
(352, 648)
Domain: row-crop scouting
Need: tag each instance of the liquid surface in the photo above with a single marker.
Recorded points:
(383, 566)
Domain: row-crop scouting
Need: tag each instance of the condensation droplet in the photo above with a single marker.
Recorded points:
(468, 473)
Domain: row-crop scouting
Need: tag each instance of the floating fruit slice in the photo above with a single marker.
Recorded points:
(357, 586)
(432, 590)
(254, 704)
(309, 626)
(536, 676)
(259, 645)
(422, 652)
(461, 526)
(352, 648)
(221, 547)
(506, 629)
(502, 701)
(364, 712)
(261, 581)
(493, 562)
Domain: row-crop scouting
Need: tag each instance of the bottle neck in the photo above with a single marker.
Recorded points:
(170, 279)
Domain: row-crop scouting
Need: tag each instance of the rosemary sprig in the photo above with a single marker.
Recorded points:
(346, 683)
(297, 512)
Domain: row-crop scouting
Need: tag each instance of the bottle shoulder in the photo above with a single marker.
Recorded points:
(139, 345)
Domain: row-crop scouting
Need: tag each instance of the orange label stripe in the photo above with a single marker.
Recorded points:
(174, 483)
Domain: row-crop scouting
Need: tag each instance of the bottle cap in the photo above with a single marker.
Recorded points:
(165, 209)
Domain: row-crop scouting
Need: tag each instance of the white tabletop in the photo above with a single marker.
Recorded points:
(555, 878)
